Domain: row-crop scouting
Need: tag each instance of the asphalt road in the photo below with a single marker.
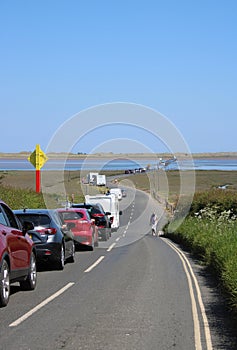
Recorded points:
(133, 292)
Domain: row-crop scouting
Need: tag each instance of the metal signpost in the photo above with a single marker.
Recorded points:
(37, 158)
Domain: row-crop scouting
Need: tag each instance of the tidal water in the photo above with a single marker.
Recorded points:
(120, 164)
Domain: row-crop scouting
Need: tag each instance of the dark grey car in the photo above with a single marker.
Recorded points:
(53, 238)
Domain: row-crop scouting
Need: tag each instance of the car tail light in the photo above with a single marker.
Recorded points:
(47, 252)
(47, 231)
(98, 215)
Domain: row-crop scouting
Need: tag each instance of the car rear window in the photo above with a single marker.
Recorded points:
(71, 215)
(37, 219)
(91, 209)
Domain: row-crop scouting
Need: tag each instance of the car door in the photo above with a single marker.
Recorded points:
(67, 234)
(18, 246)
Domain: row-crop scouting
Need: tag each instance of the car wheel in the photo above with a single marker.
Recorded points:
(61, 259)
(71, 259)
(30, 282)
(4, 284)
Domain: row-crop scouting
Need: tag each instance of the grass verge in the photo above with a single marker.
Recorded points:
(210, 235)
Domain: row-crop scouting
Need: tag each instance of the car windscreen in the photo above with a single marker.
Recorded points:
(36, 219)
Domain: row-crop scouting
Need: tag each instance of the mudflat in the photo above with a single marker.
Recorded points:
(205, 180)
(111, 155)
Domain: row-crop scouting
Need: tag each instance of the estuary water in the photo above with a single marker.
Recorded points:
(229, 164)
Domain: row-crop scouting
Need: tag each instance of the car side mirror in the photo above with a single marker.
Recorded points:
(108, 213)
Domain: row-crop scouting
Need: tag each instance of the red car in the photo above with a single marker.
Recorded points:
(17, 254)
(85, 231)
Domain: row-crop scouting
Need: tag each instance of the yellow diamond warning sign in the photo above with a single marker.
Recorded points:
(38, 158)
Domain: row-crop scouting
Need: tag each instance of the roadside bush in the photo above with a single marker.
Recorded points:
(18, 198)
(222, 200)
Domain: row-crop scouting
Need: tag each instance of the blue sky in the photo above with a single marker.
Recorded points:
(61, 57)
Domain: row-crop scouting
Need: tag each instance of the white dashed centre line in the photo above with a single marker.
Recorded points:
(111, 247)
(39, 306)
(95, 264)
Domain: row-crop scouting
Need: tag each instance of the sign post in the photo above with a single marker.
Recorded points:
(37, 158)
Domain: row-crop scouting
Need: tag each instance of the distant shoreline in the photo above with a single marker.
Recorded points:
(219, 155)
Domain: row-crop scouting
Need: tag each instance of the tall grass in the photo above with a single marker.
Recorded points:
(18, 198)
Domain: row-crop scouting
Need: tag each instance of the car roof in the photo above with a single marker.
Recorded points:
(83, 205)
(34, 211)
(96, 206)
(72, 209)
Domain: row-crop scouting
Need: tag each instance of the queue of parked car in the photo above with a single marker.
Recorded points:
(134, 171)
(33, 237)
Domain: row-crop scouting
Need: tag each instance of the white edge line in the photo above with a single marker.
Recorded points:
(39, 306)
(111, 247)
(95, 264)
(203, 312)
(117, 239)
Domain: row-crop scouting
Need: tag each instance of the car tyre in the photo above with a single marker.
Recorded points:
(61, 259)
(31, 279)
(71, 259)
(4, 284)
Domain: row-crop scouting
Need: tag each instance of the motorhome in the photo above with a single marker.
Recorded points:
(117, 191)
(110, 204)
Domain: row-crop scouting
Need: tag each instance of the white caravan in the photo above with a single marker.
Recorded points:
(101, 180)
(110, 204)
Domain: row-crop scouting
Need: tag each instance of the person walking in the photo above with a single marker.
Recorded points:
(153, 224)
